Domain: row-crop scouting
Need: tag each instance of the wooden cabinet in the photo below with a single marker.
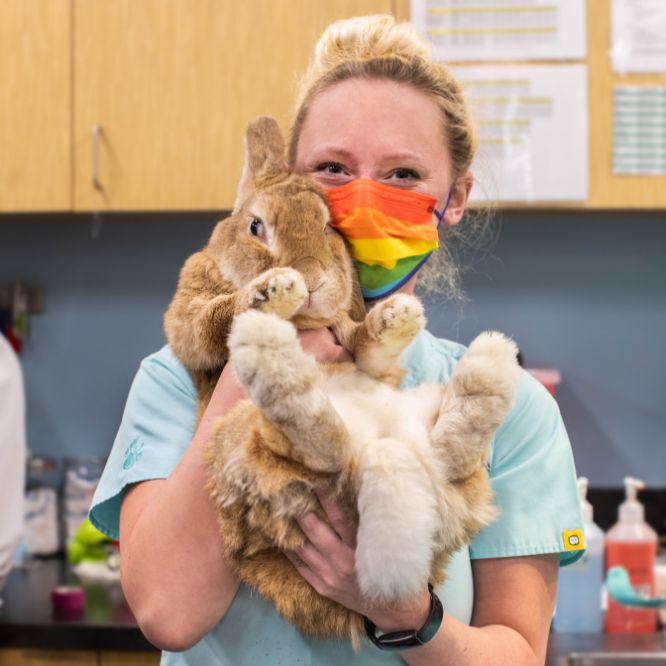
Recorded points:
(129, 658)
(47, 658)
(173, 87)
(77, 658)
(35, 96)
(609, 190)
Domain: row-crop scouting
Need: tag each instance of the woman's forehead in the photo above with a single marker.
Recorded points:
(383, 116)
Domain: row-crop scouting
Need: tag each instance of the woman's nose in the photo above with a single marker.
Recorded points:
(367, 173)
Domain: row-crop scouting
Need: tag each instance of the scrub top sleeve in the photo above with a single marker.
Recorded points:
(533, 477)
(156, 428)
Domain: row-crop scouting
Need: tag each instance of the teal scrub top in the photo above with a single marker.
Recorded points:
(531, 471)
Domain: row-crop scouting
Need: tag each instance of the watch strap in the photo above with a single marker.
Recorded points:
(409, 638)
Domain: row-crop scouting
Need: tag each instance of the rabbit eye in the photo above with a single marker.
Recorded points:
(256, 227)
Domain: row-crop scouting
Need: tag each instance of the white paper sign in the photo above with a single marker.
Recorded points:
(479, 30)
(638, 36)
(533, 135)
(639, 130)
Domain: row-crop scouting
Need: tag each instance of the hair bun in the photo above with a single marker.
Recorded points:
(364, 38)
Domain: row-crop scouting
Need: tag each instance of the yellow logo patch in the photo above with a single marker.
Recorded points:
(573, 539)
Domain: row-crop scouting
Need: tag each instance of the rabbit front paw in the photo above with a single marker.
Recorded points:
(397, 320)
(278, 291)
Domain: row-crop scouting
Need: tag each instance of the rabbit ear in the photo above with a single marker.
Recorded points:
(264, 156)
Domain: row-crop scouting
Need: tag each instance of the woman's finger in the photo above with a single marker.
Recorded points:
(314, 558)
(320, 535)
(298, 563)
(339, 519)
(304, 570)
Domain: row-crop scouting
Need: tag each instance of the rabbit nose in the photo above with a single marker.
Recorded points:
(312, 270)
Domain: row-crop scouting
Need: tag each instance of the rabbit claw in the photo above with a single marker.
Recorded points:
(396, 321)
(278, 291)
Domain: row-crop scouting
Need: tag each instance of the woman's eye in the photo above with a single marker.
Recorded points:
(405, 174)
(333, 168)
(256, 227)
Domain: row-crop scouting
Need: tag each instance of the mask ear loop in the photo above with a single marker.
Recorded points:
(440, 216)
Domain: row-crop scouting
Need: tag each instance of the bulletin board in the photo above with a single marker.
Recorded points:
(606, 190)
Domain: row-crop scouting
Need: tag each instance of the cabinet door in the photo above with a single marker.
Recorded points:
(129, 658)
(35, 97)
(47, 658)
(173, 86)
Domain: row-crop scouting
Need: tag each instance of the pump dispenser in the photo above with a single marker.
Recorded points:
(578, 609)
(631, 510)
(631, 543)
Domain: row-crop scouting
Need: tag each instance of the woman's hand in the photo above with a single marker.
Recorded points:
(321, 343)
(327, 562)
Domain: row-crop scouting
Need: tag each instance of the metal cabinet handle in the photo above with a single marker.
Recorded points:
(96, 133)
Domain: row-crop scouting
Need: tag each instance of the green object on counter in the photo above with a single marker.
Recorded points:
(622, 591)
(88, 544)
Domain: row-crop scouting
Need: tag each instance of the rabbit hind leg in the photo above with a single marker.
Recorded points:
(284, 383)
(475, 403)
(398, 518)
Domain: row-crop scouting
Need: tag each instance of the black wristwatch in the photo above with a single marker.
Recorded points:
(409, 638)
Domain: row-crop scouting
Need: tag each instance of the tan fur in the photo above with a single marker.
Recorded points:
(232, 273)
(339, 427)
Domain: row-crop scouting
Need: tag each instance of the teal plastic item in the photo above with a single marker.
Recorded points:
(622, 591)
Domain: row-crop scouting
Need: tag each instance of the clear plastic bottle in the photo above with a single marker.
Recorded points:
(41, 536)
(578, 609)
(631, 543)
(81, 477)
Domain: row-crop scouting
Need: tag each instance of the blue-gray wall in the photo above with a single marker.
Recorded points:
(584, 292)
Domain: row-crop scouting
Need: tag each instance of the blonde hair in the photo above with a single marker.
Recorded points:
(378, 47)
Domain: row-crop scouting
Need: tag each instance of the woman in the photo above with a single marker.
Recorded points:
(373, 107)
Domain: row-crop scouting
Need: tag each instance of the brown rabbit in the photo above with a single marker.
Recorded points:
(408, 465)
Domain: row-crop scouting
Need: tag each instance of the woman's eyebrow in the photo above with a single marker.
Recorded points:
(402, 156)
(332, 151)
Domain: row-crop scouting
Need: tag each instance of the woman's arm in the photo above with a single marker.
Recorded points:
(513, 600)
(513, 603)
(173, 571)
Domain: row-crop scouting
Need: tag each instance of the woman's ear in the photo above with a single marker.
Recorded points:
(264, 157)
(459, 197)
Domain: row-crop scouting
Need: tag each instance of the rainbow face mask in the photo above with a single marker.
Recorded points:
(389, 230)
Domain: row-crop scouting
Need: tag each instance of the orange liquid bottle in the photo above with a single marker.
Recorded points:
(631, 543)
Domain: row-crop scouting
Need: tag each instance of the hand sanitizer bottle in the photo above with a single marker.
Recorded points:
(631, 543)
(578, 609)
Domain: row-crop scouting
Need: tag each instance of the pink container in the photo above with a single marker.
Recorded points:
(68, 600)
(549, 377)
